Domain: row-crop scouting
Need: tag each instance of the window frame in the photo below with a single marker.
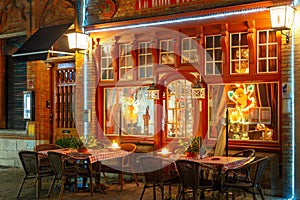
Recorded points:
(213, 61)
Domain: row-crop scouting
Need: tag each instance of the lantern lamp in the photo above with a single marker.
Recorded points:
(198, 90)
(153, 92)
(77, 41)
(282, 17)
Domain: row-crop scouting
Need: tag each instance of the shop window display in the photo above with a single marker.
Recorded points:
(128, 111)
(252, 111)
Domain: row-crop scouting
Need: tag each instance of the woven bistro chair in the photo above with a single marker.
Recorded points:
(158, 172)
(44, 147)
(257, 168)
(121, 166)
(193, 179)
(62, 171)
(33, 170)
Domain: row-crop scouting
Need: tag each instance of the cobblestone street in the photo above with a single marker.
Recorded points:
(11, 179)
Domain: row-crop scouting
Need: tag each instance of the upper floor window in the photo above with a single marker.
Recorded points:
(125, 62)
(189, 50)
(180, 109)
(267, 51)
(107, 71)
(239, 54)
(213, 55)
(145, 60)
(166, 52)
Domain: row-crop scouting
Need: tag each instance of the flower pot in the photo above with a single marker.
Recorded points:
(190, 154)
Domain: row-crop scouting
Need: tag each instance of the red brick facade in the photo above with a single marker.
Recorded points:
(15, 22)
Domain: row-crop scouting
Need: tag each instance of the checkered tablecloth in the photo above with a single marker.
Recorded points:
(92, 154)
(224, 163)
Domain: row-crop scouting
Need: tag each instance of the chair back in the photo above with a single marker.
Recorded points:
(56, 162)
(245, 153)
(189, 173)
(260, 168)
(128, 147)
(29, 160)
(43, 147)
(155, 169)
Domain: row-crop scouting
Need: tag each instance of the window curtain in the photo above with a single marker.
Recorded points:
(218, 95)
(267, 96)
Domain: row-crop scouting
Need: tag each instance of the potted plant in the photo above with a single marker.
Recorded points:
(191, 147)
(71, 142)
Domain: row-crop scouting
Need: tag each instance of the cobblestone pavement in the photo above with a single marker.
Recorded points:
(11, 179)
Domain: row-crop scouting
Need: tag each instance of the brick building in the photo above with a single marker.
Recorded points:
(103, 91)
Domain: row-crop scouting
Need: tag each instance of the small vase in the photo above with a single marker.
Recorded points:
(190, 154)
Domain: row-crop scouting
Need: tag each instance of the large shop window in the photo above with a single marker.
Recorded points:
(253, 111)
(128, 111)
(180, 109)
(213, 55)
(267, 51)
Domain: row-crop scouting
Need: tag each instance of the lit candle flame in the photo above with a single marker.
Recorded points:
(114, 144)
(164, 151)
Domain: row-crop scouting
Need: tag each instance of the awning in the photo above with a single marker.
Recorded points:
(46, 42)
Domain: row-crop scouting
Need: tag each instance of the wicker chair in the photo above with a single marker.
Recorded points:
(43, 147)
(254, 183)
(33, 170)
(192, 178)
(62, 171)
(243, 173)
(158, 172)
(121, 166)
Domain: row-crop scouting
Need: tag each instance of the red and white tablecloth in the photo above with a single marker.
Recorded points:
(92, 154)
(224, 163)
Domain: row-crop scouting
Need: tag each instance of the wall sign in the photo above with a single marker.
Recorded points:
(108, 9)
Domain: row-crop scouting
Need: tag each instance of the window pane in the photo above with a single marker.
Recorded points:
(180, 109)
(128, 110)
(246, 121)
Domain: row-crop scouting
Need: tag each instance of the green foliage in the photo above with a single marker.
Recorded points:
(191, 145)
(70, 142)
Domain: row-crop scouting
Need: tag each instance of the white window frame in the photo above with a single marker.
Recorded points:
(191, 53)
(213, 61)
(167, 52)
(126, 59)
(267, 58)
(147, 67)
(240, 60)
(106, 62)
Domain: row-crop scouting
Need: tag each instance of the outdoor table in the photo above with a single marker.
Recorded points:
(222, 164)
(91, 156)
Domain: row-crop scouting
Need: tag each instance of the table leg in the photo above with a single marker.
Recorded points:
(91, 177)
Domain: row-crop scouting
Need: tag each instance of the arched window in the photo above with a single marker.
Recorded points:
(179, 109)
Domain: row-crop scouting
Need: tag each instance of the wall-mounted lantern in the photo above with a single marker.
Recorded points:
(78, 41)
(153, 92)
(198, 90)
(282, 18)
